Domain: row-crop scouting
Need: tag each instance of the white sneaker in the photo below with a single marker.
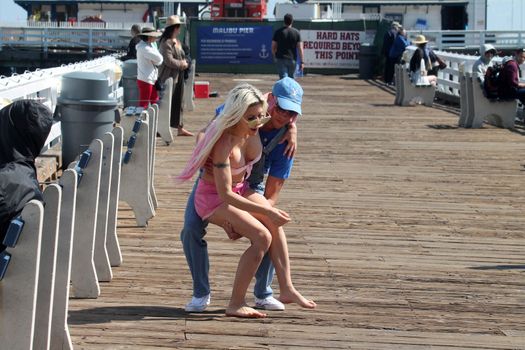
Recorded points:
(198, 304)
(269, 303)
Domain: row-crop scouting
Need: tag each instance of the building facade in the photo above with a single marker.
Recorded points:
(120, 11)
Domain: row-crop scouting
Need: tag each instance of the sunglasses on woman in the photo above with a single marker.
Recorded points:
(258, 121)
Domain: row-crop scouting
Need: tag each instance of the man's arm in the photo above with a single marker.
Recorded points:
(301, 53)
(273, 189)
(511, 72)
(290, 136)
(274, 48)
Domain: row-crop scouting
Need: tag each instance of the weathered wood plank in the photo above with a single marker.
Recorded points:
(407, 231)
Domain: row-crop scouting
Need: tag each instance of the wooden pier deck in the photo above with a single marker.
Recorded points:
(407, 231)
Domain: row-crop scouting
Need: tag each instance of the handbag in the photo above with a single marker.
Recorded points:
(158, 85)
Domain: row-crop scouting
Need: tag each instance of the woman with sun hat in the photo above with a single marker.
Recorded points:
(173, 66)
(420, 63)
(148, 58)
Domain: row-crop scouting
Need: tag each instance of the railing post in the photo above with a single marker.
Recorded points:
(45, 34)
(90, 42)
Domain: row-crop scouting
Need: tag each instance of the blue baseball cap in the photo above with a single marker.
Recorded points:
(289, 94)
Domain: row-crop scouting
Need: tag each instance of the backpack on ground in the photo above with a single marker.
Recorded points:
(491, 83)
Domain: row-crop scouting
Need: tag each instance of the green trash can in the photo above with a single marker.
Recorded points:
(129, 83)
(367, 61)
(85, 112)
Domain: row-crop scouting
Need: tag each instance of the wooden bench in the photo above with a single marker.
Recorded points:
(60, 338)
(466, 100)
(112, 243)
(154, 112)
(19, 286)
(407, 92)
(136, 184)
(84, 278)
(188, 101)
(501, 113)
(164, 113)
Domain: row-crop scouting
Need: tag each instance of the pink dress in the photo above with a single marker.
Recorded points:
(207, 199)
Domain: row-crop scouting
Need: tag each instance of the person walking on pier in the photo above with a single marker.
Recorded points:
(148, 58)
(173, 65)
(247, 213)
(286, 46)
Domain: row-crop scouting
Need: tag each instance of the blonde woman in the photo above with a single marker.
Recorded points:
(173, 66)
(226, 154)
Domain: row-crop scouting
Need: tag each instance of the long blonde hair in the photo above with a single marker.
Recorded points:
(239, 99)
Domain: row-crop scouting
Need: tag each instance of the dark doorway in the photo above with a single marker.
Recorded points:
(454, 17)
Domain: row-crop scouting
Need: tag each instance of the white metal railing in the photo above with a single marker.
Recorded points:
(50, 24)
(50, 37)
(472, 39)
(45, 84)
(449, 78)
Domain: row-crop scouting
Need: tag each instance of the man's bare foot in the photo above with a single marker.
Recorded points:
(184, 132)
(243, 311)
(294, 296)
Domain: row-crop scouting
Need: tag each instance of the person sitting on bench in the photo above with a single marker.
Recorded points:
(479, 69)
(509, 85)
(420, 64)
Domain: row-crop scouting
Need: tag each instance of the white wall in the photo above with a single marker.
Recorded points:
(476, 14)
(410, 13)
(298, 11)
(505, 14)
(431, 13)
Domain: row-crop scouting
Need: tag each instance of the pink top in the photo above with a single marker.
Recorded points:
(246, 167)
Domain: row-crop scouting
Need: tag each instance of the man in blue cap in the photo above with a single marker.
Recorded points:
(284, 105)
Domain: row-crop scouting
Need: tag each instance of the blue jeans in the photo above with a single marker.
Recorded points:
(285, 67)
(196, 251)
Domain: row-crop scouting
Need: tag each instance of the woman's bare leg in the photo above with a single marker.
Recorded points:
(260, 239)
(280, 259)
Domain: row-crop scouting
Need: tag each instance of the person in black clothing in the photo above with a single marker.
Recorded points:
(388, 41)
(421, 63)
(132, 50)
(24, 127)
(509, 84)
(286, 45)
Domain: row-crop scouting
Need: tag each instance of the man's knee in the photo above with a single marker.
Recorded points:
(189, 235)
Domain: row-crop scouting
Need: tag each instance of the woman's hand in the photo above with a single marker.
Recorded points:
(279, 217)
